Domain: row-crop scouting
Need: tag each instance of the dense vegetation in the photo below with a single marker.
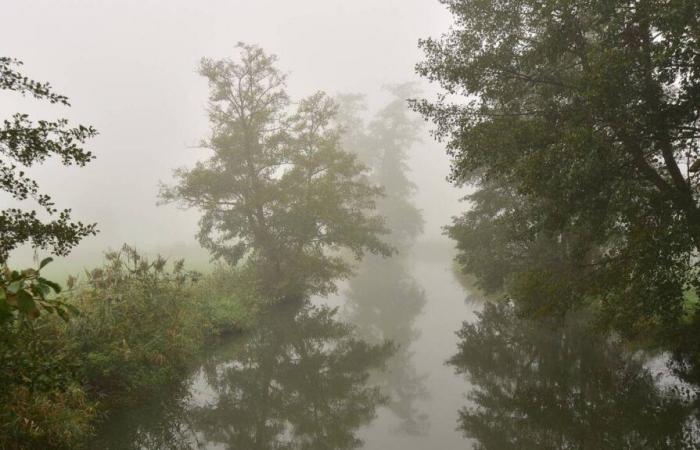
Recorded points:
(577, 123)
(139, 325)
(284, 207)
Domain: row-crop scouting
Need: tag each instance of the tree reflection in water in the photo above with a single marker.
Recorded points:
(383, 300)
(298, 381)
(558, 386)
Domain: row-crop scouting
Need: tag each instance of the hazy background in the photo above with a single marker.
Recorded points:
(129, 68)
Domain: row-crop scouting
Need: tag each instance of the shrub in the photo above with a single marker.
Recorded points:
(137, 325)
(43, 405)
(231, 298)
(59, 418)
(140, 324)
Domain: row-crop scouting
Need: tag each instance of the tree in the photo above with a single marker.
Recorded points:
(278, 190)
(24, 144)
(578, 123)
(384, 145)
(383, 300)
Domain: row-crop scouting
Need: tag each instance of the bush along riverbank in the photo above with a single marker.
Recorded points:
(67, 358)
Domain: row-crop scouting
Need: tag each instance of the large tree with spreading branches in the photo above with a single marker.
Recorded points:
(578, 123)
(278, 190)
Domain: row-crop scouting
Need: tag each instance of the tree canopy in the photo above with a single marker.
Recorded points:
(278, 189)
(23, 144)
(577, 121)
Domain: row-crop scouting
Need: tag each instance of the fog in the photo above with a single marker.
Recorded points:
(129, 69)
(292, 305)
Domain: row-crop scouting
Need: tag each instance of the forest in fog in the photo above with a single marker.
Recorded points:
(337, 225)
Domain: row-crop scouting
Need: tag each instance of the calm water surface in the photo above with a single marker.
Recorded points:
(388, 364)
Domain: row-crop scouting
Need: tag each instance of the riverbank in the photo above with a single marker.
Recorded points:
(139, 325)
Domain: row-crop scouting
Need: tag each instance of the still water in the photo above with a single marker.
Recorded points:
(405, 357)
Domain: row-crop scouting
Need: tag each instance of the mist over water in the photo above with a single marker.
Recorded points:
(406, 353)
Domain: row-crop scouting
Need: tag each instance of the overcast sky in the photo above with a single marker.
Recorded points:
(128, 67)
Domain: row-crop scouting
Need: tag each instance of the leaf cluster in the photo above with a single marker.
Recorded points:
(24, 295)
(23, 144)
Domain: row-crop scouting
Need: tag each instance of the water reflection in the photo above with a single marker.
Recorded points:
(383, 300)
(160, 423)
(299, 381)
(559, 386)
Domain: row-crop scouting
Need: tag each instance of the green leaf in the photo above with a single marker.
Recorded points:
(55, 286)
(62, 314)
(44, 262)
(25, 302)
(44, 289)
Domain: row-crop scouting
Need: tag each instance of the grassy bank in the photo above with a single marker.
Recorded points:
(139, 324)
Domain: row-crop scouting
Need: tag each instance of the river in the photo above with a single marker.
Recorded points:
(388, 364)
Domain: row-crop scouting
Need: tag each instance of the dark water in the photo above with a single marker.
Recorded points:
(388, 364)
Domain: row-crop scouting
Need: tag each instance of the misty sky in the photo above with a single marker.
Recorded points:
(129, 68)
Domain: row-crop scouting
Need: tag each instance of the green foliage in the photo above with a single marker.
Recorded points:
(139, 325)
(278, 191)
(57, 419)
(44, 404)
(577, 124)
(23, 295)
(24, 144)
(232, 298)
